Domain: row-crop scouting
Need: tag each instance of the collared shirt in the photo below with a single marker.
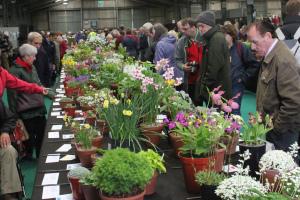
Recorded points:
(272, 47)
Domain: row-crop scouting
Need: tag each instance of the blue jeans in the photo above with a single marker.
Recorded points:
(238, 87)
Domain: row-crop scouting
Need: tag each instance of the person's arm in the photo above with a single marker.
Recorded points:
(216, 60)
(13, 82)
(288, 87)
(251, 64)
(7, 125)
(180, 56)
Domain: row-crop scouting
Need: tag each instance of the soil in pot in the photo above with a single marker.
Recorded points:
(150, 187)
(76, 189)
(90, 192)
(139, 196)
(152, 133)
(256, 153)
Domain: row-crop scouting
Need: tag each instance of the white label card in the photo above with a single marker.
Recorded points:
(50, 192)
(65, 197)
(67, 136)
(50, 179)
(56, 127)
(73, 166)
(68, 158)
(53, 134)
(55, 103)
(52, 159)
(55, 114)
(64, 148)
(56, 109)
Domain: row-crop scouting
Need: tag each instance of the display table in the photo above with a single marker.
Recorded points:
(170, 186)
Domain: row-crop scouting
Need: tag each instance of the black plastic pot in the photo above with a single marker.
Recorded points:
(257, 152)
(208, 192)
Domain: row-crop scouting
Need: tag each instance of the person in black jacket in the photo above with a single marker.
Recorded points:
(10, 184)
(292, 20)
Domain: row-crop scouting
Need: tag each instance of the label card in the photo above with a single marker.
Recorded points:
(56, 127)
(50, 179)
(64, 148)
(53, 134)
(52, 159)
(50, 191)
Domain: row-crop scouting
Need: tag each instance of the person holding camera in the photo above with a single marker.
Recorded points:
(189, 55)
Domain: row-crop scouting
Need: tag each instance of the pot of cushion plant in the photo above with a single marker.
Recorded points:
(74, 176)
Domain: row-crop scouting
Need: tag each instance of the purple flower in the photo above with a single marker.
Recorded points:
(82, 78)
(166, 121)
(180, 117)
(172, 125)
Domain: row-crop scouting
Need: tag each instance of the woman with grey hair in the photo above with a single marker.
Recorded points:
(29, 107)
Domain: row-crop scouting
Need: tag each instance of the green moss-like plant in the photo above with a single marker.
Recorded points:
(208, 177)
(121, 173)
(155, 160)
(78, 172)
(268, 196)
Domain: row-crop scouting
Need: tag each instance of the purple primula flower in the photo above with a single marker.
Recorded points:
(235, 125)
(172, 125)
(180, 117)
(166, 121)
(82, 78)
(186, 124)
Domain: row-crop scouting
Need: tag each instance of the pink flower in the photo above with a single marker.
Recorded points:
(226, 108)
(216, 89)
(217, 98)
(233, 104)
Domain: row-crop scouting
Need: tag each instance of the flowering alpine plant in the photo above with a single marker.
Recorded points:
(162, 64)
(226, 105)
(291, 183)
(169, 75)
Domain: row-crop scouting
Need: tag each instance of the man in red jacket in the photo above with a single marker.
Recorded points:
(9, 81)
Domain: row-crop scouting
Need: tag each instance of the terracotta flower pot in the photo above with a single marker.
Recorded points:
(231, 143)
(103, 126)
(176, 141)
(272, 177)
(190, 167)
(84, 156)
(86, 107)
(90, 120)
(219, 159)
(150, 187)
(152, 133)
(135, 197)
(90, 192)
(64, 103)
(76, 189)
(97, 141)
(70, 111)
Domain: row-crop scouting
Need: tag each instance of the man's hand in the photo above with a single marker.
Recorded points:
(45, 91)
(187, 68)
(4, 140)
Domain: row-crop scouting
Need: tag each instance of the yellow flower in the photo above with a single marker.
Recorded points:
(170, 82)
(122, 95)
(87, 126)
(127, 113)
(105, 104)
(73, 124)
(128, 101)
(114, 101)
(190, 123)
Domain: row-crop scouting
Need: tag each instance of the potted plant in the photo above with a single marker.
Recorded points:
(291, 183)
(200, 134)
(209, 180)
(87, 184)
(121, 174)
(122, 118)
(268, 196)
(239, 185)
(84, 147)
(70, 110)
(64, 101)
(86, 102)
(157, 164)
(90, 117)
(74, 175)
(272, 165)
(253, 139)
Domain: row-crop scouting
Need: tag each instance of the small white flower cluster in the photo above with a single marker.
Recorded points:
(277, 159)
(291, 183)
(240, 167)
(236, 186)
(294, 148)
(86, 100)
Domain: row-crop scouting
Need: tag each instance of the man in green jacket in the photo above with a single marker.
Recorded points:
(215, 69)
(278, 87)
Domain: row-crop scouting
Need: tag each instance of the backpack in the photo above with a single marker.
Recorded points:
(293, 44)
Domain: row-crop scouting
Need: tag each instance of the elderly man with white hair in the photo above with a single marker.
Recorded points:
(29, 107)
(42, 61)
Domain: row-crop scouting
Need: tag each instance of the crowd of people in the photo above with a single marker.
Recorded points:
(204, 55)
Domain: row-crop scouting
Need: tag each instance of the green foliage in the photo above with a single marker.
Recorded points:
(88, 179)
(255, 132)
(122, 119)
(155, 160)
(120, 172)
(268, 196)
(209, 177)
(66, 99)
(84, 136)
(78, 172)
